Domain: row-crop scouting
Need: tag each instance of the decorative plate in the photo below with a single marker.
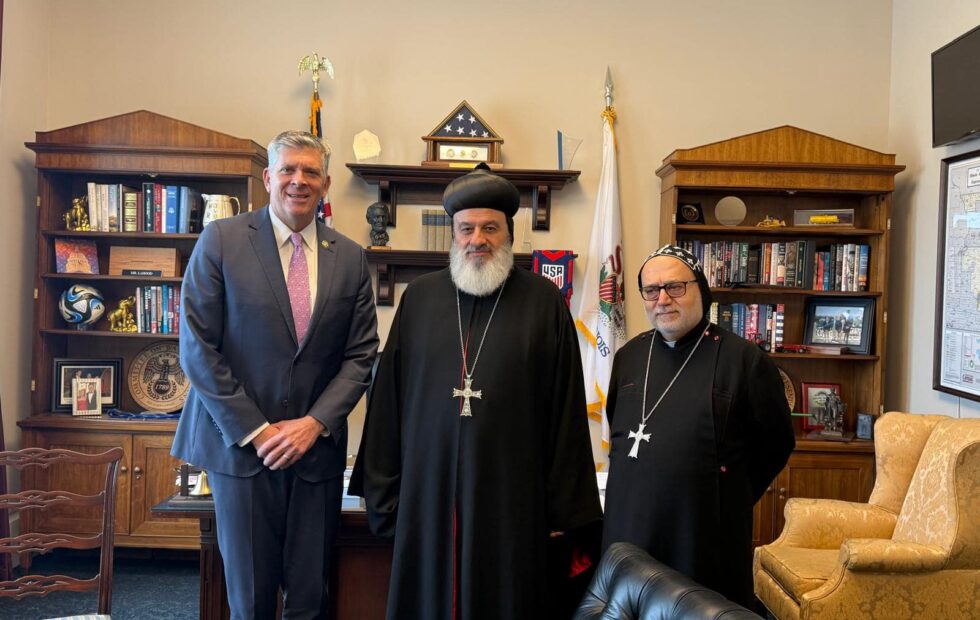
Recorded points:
(156, 379)
(788, 388)
(730, 211)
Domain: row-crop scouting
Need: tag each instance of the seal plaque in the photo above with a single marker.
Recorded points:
(156, 380)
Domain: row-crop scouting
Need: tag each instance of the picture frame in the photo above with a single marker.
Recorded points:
(955, 369)
(844, 322)
(86, 397)
(108, 371)
(812, 395)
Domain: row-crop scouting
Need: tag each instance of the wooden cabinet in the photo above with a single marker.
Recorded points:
(817, 469)
(130, 149)
(146, 478)
(777, 173)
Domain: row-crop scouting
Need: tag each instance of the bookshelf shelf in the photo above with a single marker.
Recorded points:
(782, 231)
(788, 290)
(394, 266)
(101, 277)
(103, 333)
(424, 185)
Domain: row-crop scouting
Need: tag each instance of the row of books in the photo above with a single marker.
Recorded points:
(796, 264)
(437, 232)
(158, 309)
(154, 208)
(759, 323)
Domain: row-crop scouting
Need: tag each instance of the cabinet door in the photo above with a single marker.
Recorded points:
(847, 477)
(82, 479)
(763, 518)
(153, 475)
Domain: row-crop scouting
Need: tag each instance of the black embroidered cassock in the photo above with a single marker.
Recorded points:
(470, 501)
(717, 440)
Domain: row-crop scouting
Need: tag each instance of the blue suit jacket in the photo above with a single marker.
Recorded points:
(238, 346)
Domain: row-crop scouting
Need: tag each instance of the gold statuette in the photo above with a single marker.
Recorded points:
(121, 319)
(77, 217)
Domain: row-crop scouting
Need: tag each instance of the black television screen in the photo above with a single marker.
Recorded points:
(956, 90)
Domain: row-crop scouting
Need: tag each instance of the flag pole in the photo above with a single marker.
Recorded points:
(601, 319)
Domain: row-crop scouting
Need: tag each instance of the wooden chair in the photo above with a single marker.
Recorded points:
(34, 542)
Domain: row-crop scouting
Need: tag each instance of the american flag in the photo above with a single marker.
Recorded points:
(464, 124)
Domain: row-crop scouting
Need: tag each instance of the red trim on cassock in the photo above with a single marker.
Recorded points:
(581, 562)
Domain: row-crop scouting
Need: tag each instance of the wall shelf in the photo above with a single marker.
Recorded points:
(424, 185)
(403, 266)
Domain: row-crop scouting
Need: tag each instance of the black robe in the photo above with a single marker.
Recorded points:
(471, 500)
(717, 440)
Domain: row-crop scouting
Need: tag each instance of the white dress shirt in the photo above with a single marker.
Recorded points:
(285, 246)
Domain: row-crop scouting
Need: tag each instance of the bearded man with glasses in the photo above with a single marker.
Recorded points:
(700, 427)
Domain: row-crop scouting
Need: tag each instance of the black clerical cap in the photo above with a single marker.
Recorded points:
(692, 263)
(481, 189)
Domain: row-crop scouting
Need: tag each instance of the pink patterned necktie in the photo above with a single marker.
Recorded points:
(298, 285)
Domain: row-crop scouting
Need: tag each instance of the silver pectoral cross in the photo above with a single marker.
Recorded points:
(466, 393)
(636, 436)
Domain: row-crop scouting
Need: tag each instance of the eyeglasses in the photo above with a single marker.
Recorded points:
(673, 289)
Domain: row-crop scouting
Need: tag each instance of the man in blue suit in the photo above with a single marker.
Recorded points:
(278, 335)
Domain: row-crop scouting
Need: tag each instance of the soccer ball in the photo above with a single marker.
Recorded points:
(81, 305)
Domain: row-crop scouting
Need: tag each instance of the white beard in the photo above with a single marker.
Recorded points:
(483, 279)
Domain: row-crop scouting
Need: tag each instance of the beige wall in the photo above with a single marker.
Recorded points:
(686, 73)
(23, 107)
(920, 28)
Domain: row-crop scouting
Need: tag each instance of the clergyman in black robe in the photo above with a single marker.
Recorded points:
(476, 498)
(716, 431)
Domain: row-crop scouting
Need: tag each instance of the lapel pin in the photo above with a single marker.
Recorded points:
(325, 244)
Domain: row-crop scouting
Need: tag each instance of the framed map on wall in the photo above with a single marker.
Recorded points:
(956, 356)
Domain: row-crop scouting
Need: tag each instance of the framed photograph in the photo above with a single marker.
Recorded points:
(86, 396)
(956, 356)
(840, 322)
(814, 398)
(108, 371)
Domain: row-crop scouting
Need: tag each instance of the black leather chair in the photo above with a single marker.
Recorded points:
(630, 584)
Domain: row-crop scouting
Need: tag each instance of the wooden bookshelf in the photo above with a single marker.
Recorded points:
(128, 149)
(775, 173)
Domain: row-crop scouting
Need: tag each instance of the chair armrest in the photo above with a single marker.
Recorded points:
(827, 523)
(891, 556)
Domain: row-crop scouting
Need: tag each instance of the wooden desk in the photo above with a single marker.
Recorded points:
(359, 575)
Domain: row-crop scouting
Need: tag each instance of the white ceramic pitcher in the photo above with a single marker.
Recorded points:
(217, 206)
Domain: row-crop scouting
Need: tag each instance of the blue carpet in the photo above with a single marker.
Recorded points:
(141, 589)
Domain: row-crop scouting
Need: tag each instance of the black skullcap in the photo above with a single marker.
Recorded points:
(692, 263)
(481, 189)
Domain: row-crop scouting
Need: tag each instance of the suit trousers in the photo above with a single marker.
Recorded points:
(276, 530)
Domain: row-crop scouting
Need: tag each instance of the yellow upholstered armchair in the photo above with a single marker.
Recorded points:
(913, 551)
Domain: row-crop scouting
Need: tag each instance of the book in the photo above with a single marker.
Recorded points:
(93, 206)
(791, 252)
(863, 267)
(779, 318)
(130, 209)
(187, 213)
(76, 255)
(172, 204)
(147, 207)
(158, 202)
(103, 195)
